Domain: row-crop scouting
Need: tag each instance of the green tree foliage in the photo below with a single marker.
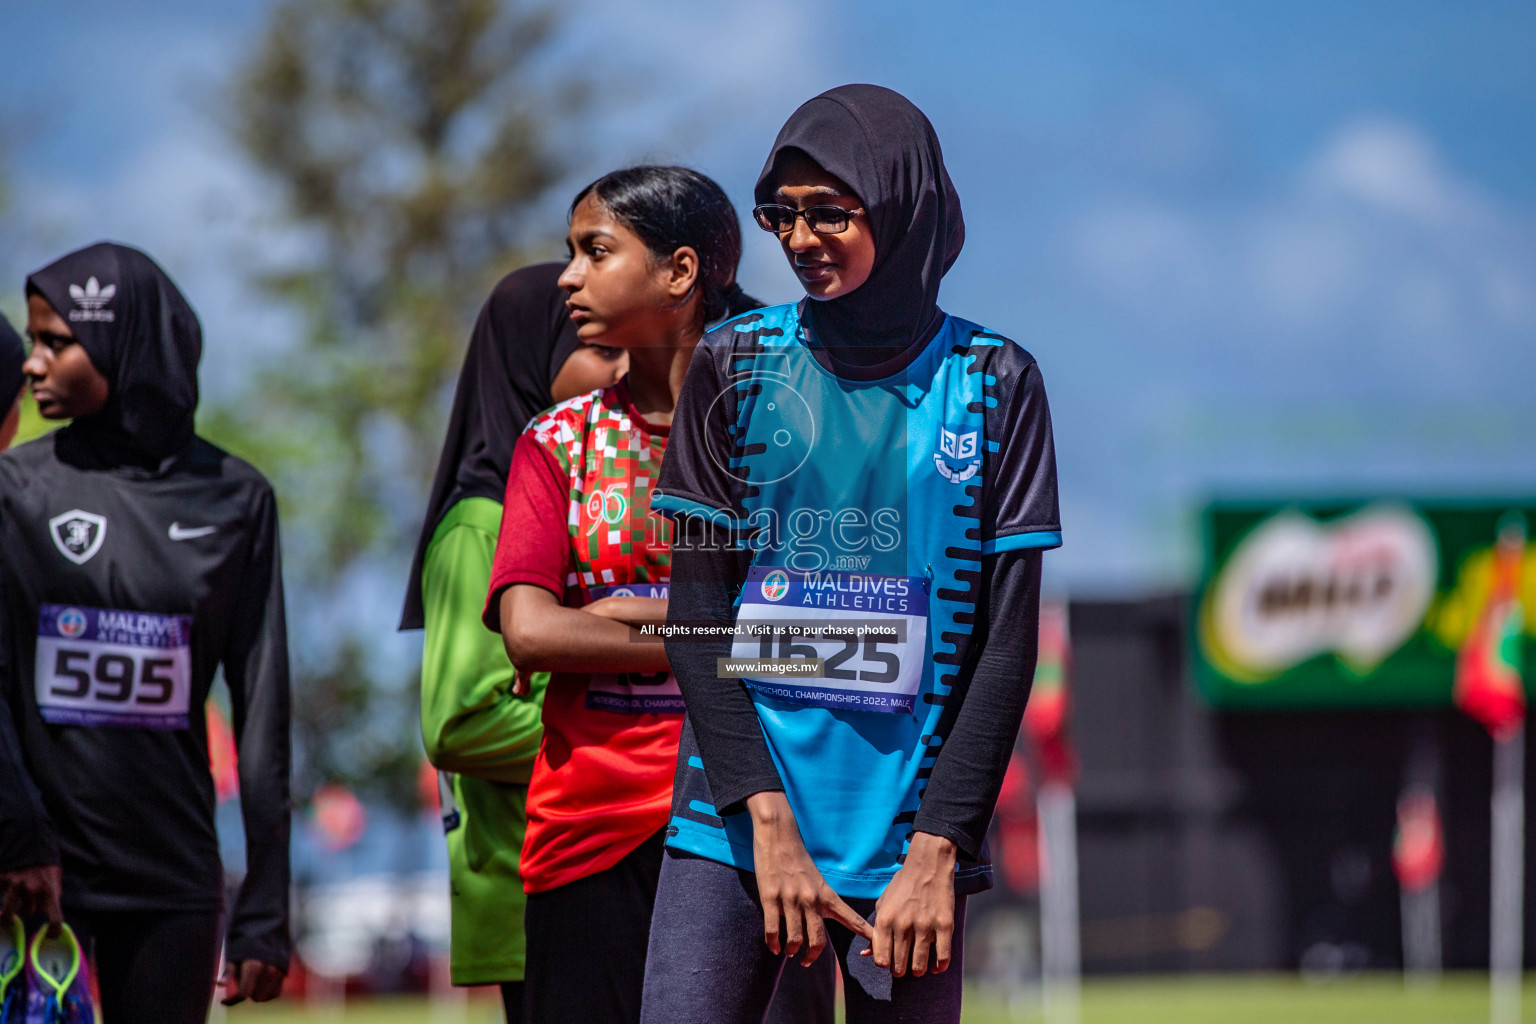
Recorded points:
(32, 425)
(410, 141)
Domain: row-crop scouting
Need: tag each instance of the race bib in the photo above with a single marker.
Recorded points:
(863, 638)
(101, 667)
(633, 693)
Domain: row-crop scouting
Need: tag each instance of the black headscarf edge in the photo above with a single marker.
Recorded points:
(13, 352)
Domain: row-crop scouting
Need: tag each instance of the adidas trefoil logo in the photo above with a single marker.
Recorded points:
(92, 299)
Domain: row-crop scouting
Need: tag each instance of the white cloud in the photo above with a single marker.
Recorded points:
(1395, 167)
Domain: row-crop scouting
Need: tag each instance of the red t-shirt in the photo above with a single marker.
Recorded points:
(577, 522)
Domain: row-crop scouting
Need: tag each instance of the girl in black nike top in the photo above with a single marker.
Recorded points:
(135, 560)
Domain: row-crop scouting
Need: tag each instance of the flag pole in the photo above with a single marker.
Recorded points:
(1507, 917)
(1060, 937)
(1046, 722)
(1489, 687)
(1418, 853)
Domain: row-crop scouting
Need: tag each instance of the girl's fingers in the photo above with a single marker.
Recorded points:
(920, 942)
(832, 906)
(941, 949)
(880, 945)
(794, 934)
(815, 939)
(901, 951)
(771, 924)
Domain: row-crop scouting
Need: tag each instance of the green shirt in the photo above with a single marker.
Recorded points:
(483, 740)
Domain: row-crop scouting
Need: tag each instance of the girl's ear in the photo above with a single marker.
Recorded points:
(683, 272)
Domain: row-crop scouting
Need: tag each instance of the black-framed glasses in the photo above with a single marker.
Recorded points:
(824, 220)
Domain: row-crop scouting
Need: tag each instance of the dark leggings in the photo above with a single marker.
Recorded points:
(708, 963)
(587, 944)
(153, 967)
(512, 1001)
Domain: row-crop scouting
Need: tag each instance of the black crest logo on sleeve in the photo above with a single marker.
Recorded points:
(78, 534)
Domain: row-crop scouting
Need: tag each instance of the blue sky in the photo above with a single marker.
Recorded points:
(1282, 249)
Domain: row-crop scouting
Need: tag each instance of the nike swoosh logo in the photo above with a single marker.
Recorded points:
(179, 532)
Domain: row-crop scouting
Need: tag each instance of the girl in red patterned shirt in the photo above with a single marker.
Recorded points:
(581, 564)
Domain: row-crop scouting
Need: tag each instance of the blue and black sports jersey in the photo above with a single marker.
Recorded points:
(867, 507)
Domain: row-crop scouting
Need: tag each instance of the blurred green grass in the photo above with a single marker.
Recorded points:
(1240, 999)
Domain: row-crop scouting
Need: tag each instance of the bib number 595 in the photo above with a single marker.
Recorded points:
(111, 678)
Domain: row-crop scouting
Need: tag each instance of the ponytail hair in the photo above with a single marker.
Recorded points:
(672, 207)
(737, 302)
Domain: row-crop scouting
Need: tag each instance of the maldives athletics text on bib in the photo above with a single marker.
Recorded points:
(104, 667)
(870, 632)
(633, 693)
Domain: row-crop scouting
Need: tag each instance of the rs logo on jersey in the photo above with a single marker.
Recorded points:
(957, 459)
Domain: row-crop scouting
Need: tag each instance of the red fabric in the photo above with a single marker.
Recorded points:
(1047, 716)
(602, 782)
(534, 545)
(1418, 847)
(1018, 830)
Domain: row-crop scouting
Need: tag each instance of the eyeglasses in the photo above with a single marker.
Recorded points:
(824, 220)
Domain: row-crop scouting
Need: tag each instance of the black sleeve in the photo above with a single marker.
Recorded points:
(1023, 505)
(705, 581)
(968, 774)
(256, 668)
(708, 569)
(27, 837)
(695, 473)
(1021, 519)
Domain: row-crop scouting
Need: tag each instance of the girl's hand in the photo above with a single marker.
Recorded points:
(28, 891)
(250, 979)
(917, 910)
(791, 890)
(636, 611)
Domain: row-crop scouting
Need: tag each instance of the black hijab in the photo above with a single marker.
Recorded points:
(522, 338)
(143, 337)
(12, 354)
(883, 147)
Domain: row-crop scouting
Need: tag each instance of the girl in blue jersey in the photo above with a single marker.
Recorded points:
(863, 465)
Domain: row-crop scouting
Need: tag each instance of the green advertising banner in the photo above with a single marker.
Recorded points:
(1346, 604)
